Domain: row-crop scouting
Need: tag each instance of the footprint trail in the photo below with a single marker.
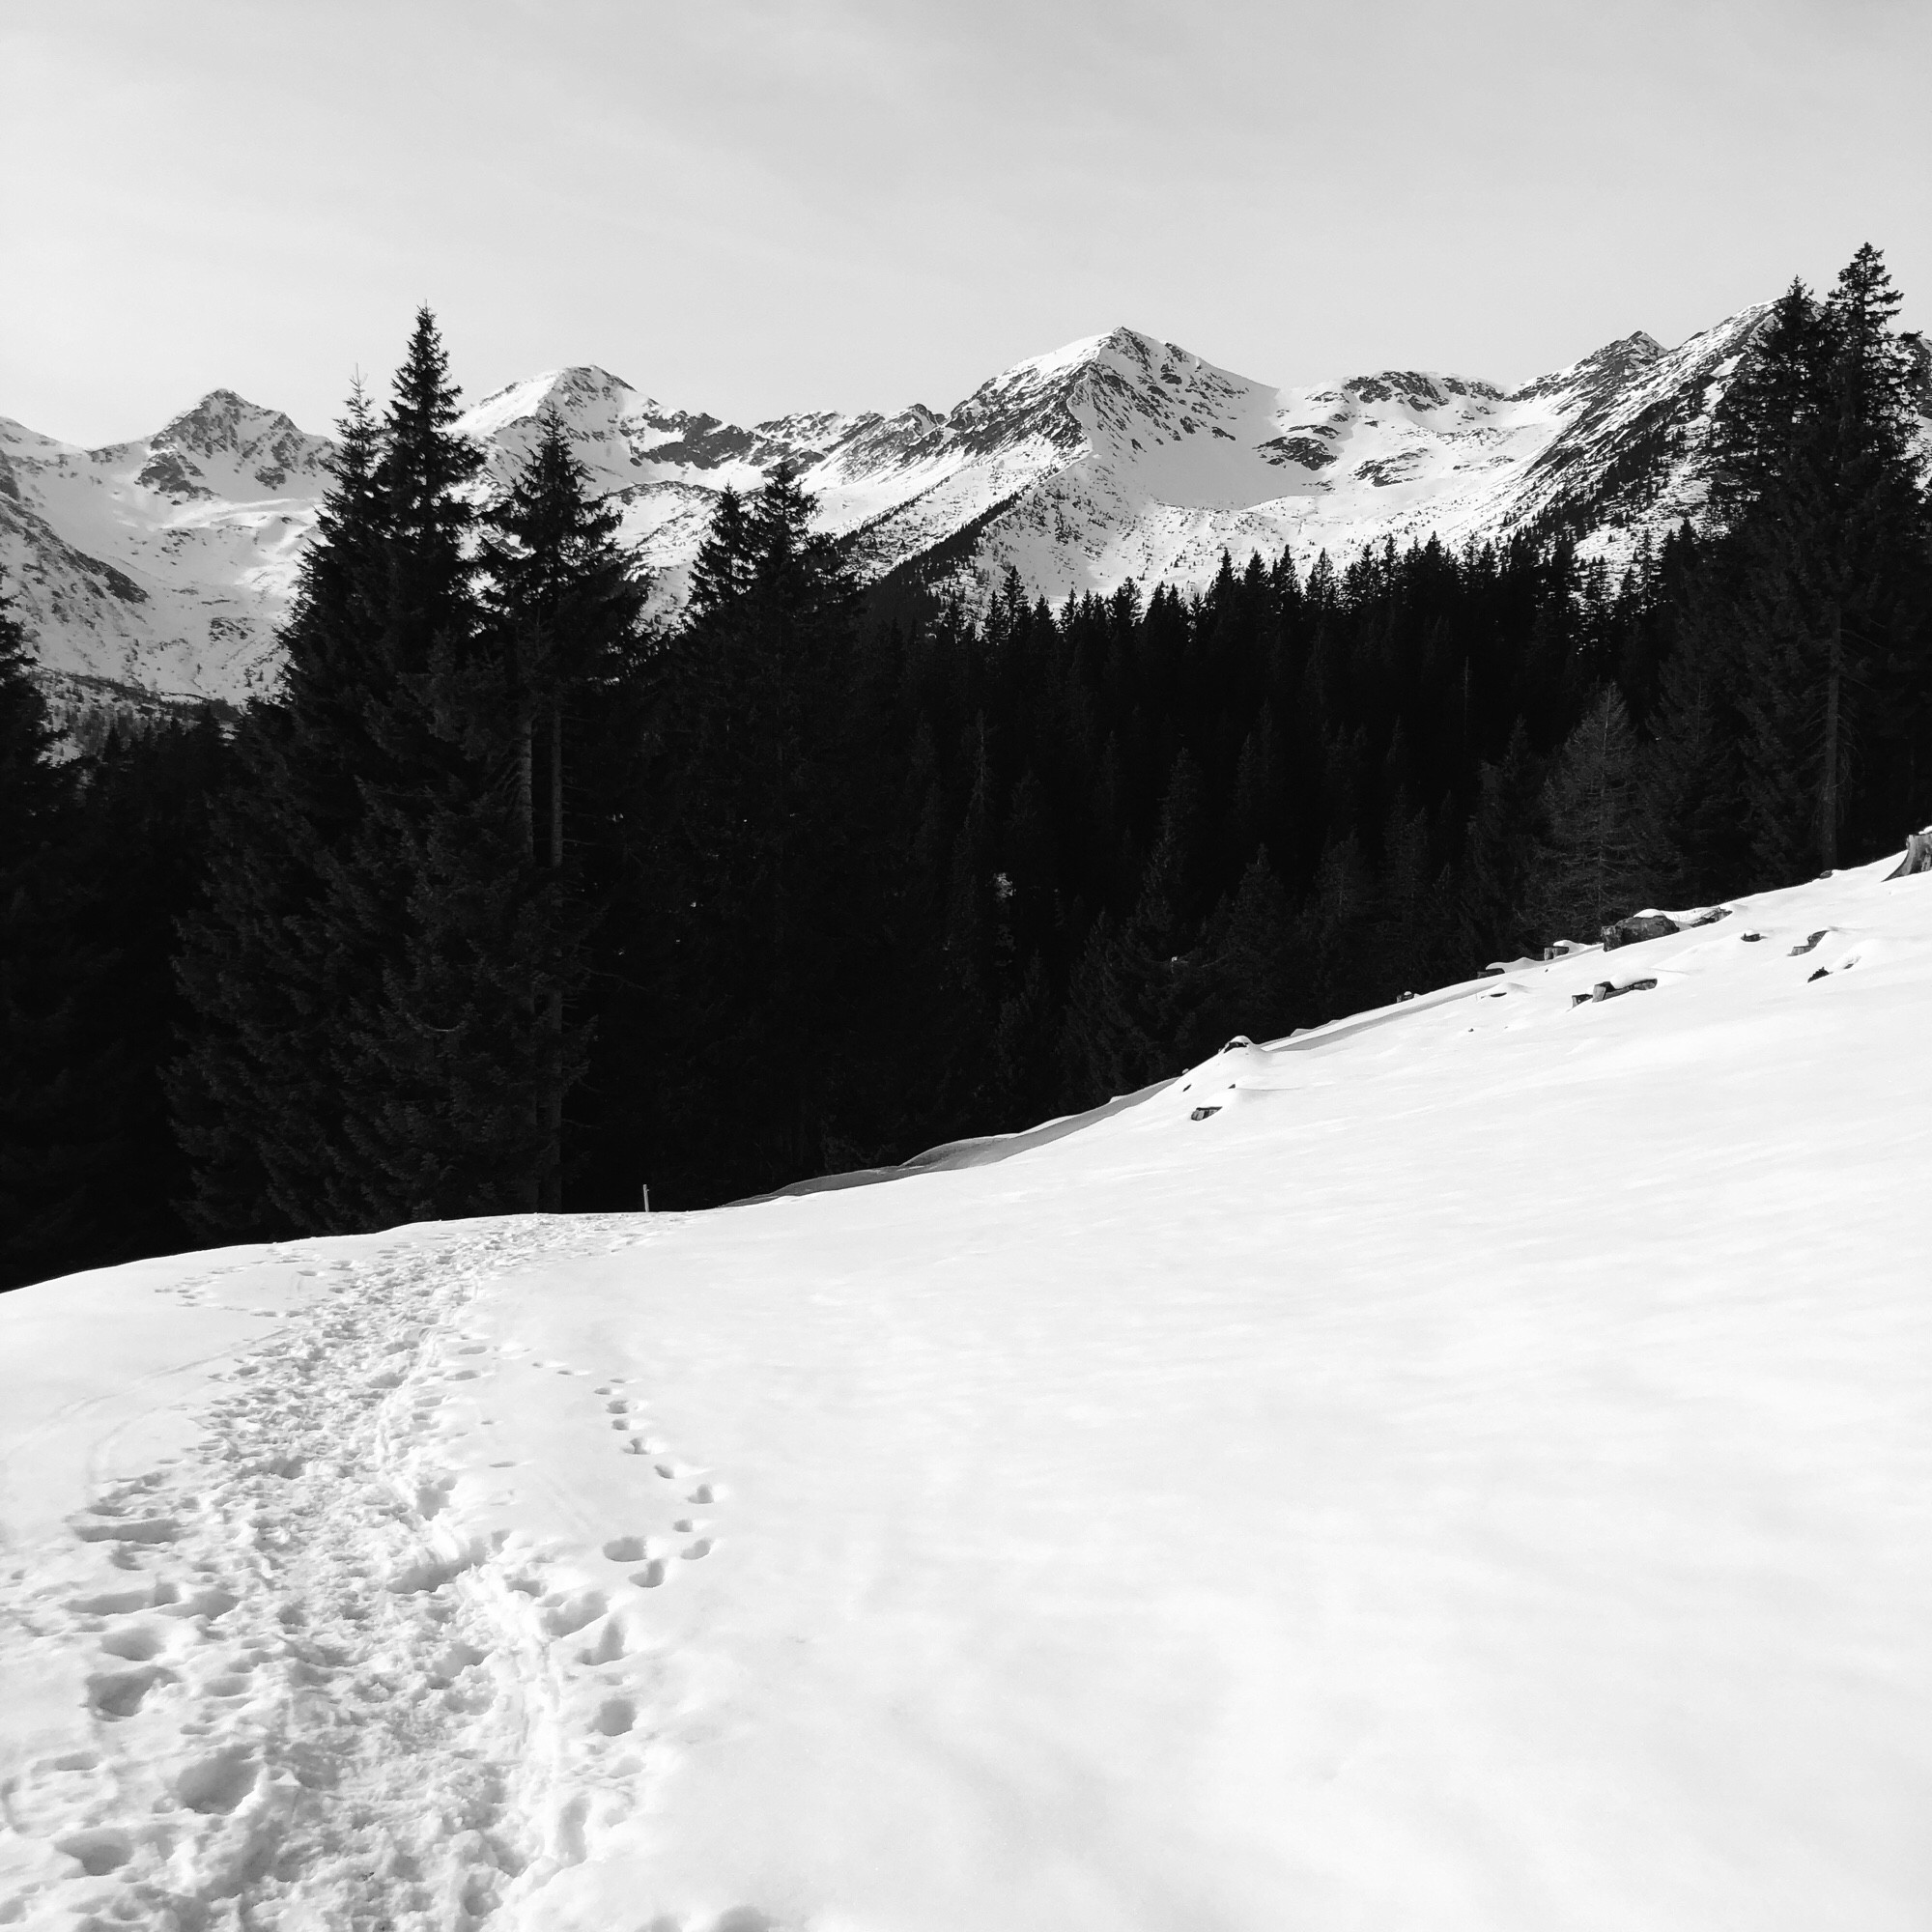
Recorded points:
(311, 1695)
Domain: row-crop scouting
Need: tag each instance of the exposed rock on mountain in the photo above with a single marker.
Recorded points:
(159, 567)
(162, 566)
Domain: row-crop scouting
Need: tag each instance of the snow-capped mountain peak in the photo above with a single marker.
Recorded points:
(163, 564)
(221, 444)
(1615, 364)
(1117, 389)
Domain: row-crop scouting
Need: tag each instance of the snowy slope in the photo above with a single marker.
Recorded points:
(160, 565)
(1480, 1478)
(163, 564)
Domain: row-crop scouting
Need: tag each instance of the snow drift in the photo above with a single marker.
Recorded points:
(1476, 1476)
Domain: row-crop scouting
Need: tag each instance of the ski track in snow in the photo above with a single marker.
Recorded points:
(313, 1705)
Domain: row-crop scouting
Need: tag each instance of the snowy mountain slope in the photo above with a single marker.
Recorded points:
(163, 564)
(1479, 1477)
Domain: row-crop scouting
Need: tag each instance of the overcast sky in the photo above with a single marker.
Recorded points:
(755, 207)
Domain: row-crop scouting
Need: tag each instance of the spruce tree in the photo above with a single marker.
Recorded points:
(1413, 925)
(1815, 476)
(258, 1099)
(475, 1041)
(567, 642)
(1497, 855)
(384, 967)
(1264, 975)
(760, 850)
(390, 902)
(1335, 930)
(1589, 864)
(56, 1090)
(1144, 996)
(138, 848)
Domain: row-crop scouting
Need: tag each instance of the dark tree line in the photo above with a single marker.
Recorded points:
(510, 901)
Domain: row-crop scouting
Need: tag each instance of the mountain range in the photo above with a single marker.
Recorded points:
(154, 572)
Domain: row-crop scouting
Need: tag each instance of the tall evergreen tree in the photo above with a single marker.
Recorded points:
(383, 964)
(137, 845)
(257, 1097)
(54, 1087)
(760, 850)
(1815, 476)
(1589, 865)
(1144, 996)
(1413, 925)
(1263, 972)
(1497, 854)
(568, 649)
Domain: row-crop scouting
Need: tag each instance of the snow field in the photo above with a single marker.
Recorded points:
(1476, 1477)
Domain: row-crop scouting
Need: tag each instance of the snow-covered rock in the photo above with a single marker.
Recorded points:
(162, 566)
(1467, 1467)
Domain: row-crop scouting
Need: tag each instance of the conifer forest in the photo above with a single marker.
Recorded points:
(515, 898)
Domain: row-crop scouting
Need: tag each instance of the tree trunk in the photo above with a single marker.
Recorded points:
(553, 1098)
(1828, 790)
(526, 802)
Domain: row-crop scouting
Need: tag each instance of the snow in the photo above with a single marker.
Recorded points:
(1479, 1477)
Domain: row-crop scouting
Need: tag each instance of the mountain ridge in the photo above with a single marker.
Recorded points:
(163, 564)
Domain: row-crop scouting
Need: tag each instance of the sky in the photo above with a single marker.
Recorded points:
(753, 207)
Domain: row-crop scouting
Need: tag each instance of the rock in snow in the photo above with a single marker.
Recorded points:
(161, 567)
(1478, 1476)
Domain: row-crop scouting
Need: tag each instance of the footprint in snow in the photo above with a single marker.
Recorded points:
(216, 1783)
(120, 1693)
(611, 1645)
(101, 1849)
(133, 1643)
(614, 1716)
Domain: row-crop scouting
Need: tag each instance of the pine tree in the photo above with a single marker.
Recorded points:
(257, 1097)
(568, 644)
(1413, 923)
(1025, 1080)
(53, 1082)
(1144, 995)
(759, 859)
(1589, 865)
(1263, 972)
(1763, 429)
(1815, 476)
(467, 1056)
(384, 967)
(1497, 853)
(138, 846)
(430, 1127)
(1335, 930)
